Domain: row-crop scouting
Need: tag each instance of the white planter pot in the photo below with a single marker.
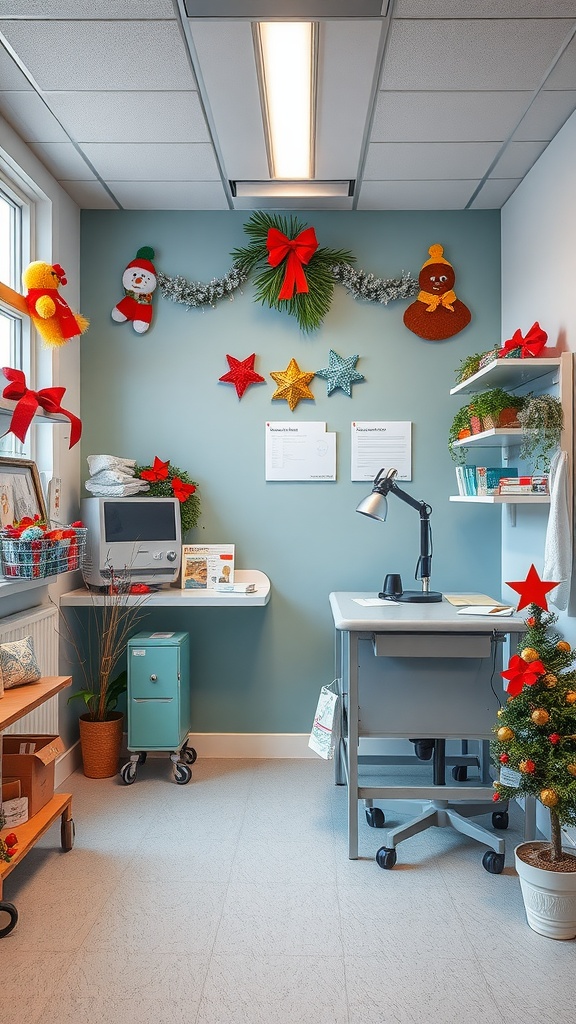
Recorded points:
(549, 898)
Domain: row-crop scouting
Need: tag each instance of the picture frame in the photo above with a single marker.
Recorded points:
(20, 491)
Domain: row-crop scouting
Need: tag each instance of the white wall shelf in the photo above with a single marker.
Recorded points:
(497, 437)
(503, 499)
(507, 373)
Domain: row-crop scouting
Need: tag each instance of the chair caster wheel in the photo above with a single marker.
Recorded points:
(375, 817)
(423, 749)
(493, 862)
(10, 909)
(128, 773)
(386, 858)
(500, 819)
(182, 773)
(460, 773)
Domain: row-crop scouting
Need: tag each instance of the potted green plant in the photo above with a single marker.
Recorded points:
(497, 408)
(99, 647)
(460, 429)
(535, 751)
(542, 420)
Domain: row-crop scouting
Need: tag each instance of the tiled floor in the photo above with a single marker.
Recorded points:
(231, 901)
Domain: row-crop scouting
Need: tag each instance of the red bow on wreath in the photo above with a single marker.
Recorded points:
(49, 399)
(159, 471)
(531, 345)
(181, 490)
(522, 673)
(299, 251)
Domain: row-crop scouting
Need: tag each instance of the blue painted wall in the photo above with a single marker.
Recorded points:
(260, 670)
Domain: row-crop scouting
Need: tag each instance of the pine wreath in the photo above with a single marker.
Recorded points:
(190, 508)
(309, 307)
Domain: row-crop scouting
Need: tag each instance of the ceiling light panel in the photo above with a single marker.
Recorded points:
(287, 53)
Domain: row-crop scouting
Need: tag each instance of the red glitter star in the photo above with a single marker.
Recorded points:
(532, 590)
(241, 373)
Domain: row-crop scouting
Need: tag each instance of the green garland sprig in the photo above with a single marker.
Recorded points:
(309, 307)
(193, 294)
(375, 289)
(189, 509)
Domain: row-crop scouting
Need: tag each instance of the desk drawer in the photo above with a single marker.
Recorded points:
(432, 645)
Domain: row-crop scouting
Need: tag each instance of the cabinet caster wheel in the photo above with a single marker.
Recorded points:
(188, 754)
(500, 819)
(128, 772)
(67, 834)
(10, 909)
(142, 756)
(386, 858)
(493, 862)
(182, 774)
(460, 773)
(375, 817)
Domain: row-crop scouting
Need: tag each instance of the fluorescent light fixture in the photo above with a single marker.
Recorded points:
(291, 189)
(288, 76)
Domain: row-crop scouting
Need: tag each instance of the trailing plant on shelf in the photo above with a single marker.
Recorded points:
(472, 363)
(490, 406)
(460, 429)
(542, 420)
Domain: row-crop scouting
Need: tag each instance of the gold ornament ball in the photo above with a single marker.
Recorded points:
(529, 654)
(550, 680)
(571, 697)
(549, 797)
(504, 734)
(572, 769)
(562, 645)
(540, 716)
(500, 711)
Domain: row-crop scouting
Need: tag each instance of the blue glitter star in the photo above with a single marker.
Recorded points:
(340, 373)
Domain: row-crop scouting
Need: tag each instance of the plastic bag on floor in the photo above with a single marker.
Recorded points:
(326, 728)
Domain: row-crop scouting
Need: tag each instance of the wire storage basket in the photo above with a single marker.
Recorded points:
(60, 550)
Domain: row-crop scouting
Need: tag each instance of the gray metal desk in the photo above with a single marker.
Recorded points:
(417, 670)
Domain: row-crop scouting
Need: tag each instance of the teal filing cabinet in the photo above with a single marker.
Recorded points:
(158, 701)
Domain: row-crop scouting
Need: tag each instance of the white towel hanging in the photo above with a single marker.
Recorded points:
(558, 544)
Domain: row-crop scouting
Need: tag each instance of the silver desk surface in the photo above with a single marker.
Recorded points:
(441, 617)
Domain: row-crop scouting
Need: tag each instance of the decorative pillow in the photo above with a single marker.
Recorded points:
(18, 664)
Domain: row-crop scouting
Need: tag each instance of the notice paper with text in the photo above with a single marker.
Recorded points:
(381, 444)
(300, 451)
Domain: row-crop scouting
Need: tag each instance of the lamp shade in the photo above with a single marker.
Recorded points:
(375, 506)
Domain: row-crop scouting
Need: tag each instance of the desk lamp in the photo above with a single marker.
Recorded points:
(375, 506)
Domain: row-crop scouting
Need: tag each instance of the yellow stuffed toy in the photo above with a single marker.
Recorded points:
(50, 314)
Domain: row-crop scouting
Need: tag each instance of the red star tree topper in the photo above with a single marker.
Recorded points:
(532, 590)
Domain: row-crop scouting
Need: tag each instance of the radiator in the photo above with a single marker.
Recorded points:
(42, 625)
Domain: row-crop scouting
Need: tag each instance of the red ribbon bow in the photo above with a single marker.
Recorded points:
(299, 251)
(531, 345)
(49, 399)
(522, 673)
(159, 471)
(181, 490)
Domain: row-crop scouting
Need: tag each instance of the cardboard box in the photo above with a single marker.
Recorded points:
(15, 811)
(11, 789)
(35, 770)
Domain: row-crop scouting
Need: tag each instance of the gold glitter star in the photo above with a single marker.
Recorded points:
(292, 384)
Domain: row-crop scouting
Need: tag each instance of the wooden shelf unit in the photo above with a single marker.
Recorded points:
(13, 705)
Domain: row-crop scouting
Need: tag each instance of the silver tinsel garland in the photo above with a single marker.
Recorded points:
(375, 289)
(193, 294)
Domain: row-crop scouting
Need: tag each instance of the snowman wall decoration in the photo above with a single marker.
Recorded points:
(139, 281)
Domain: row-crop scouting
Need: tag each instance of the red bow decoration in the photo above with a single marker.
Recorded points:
(159, 471)
(522, 673)
(299, 251)
(181, 490)
(531, 345)
(49, 399)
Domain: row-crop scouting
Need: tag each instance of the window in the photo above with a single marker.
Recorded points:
(14, 326)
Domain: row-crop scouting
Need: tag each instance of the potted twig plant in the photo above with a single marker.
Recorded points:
(541, 419)
(535, 751)
(115, 615)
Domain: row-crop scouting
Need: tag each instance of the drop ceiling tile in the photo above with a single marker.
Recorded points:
(544, 119)
(130, 117)
(494, 193)
(415, 195)
(138, 162)
(63, 161)
(517, 159)
(89, 195)
(447, 116)
(104, 9)
(428, 160)
(169, 195)
(131, 55)
(471, 54)
(564, 74)
(485, 9)
(31, 118)
(10, 75)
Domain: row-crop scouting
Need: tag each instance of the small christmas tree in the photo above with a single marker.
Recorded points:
(535, 745)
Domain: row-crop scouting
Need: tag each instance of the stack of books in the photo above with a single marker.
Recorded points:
(475, 481)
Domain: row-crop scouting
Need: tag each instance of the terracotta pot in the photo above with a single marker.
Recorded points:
(101, 743)
(549, 897)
